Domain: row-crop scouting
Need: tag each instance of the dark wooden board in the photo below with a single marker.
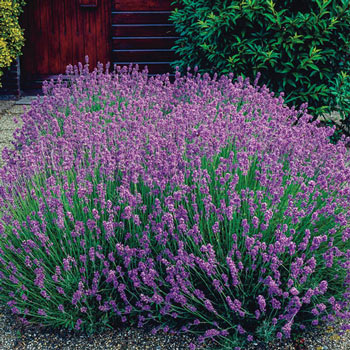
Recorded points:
(88, 18)
(146, 55)
(55, 25)
(66, 33)
(144, 43)
(41, 43)
(147, 17)
(139, 5)
(103, 47)
(153, 67)
(143, 30)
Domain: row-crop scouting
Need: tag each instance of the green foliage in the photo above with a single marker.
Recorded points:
(340, 91)
(297, 46)
(11, 35)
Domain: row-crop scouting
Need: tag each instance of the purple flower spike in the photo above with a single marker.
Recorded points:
(203, 199)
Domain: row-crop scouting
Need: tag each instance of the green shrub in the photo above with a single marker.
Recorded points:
(11, 35)
(297, 46)
(341, 104)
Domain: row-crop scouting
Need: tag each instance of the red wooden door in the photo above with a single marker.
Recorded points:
(143, 34)
(62, 32)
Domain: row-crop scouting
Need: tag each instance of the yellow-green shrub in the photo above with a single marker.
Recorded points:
(11, 34)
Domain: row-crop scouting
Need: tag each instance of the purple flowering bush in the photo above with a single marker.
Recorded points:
(196, 206)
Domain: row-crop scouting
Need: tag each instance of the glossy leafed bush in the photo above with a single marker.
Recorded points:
(297, 46)
(192, 207)
(341, 93)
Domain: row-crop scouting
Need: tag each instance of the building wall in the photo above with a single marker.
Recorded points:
(62, 32)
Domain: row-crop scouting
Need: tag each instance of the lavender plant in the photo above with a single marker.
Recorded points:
(193, 207)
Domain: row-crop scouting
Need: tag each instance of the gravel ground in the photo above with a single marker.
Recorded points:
(13, 336)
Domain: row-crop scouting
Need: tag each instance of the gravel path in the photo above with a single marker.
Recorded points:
(15, 337)
(8, 110)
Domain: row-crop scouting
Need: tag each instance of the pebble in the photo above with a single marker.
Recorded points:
(14, 336)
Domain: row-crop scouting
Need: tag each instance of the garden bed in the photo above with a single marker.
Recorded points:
(161, 124)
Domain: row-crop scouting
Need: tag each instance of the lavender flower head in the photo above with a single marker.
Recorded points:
(134, 198)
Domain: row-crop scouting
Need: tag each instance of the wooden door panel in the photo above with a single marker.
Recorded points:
(56, 26)
(88, 18)
(66, 35)
(41, 52)
(103, 26)
(62, 32)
